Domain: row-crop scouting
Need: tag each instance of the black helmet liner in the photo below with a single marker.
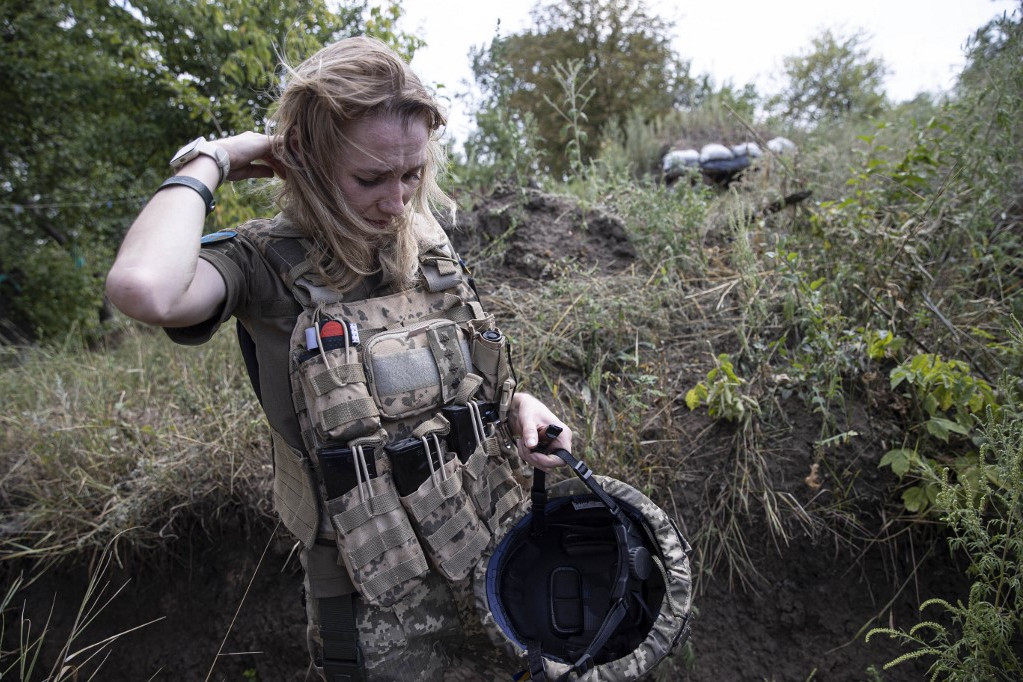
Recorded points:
(592, 582)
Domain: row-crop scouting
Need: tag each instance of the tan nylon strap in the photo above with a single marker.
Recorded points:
(391, 578)
(462, 313)
(445, 264)
(339, 375)
(380, 543)
(482, 500)
(504, 505)
(448, 488)
(378, 505)
(439, 424)
(348, 412)
(298, 398)
(297, 271)
(498, 475)
(474, 465)
(450, 528)
(492, 447)
(466, 389)
(460, 563)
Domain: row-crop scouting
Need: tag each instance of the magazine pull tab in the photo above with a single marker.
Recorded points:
(437, 470)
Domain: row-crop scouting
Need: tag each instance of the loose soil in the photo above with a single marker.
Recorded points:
(226, 606)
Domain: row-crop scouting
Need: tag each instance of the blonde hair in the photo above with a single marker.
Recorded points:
(343, 82)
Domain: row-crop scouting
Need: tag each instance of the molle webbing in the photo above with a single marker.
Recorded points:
(294, 491)
(378, 545)
(485, 480)
(339, 374)
(377, 505)
(345, 413)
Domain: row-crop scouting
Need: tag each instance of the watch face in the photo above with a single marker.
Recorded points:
(186, 153)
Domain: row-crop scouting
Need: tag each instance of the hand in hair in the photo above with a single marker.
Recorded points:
(251, 156)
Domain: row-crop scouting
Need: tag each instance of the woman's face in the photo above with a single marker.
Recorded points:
(383, 165)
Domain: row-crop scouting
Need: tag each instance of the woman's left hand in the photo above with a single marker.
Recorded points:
(528, 419)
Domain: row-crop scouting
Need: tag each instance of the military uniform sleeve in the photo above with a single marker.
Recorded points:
(237, 260)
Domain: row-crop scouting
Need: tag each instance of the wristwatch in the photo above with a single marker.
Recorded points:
(200, 146)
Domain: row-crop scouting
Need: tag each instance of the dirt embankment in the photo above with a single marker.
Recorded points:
(223, 610)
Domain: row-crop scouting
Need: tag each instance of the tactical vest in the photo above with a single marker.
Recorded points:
(401, 400)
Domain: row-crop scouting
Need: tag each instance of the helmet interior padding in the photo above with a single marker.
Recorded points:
(559, 585)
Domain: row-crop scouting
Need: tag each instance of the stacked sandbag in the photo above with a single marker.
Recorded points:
(719, 165)
(678, 163)
(782, 146)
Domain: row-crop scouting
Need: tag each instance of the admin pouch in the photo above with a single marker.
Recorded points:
(399, 399)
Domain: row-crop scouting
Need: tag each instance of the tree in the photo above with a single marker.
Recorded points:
(835, 79)
(622, 52)
(100, 94)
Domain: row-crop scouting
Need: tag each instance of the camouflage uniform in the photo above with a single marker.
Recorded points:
(432, 632)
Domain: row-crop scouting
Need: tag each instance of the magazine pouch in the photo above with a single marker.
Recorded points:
(374, 537)
(444, 517)
(487, 475)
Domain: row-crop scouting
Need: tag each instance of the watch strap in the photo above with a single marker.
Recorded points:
(197, 185)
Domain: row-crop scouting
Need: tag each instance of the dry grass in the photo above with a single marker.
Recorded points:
(137, 443)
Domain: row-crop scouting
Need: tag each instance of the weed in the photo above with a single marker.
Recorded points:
(575, 98)
(88, 458)
(721, 392)
(979, 639)
(947, 400)
(73, 659)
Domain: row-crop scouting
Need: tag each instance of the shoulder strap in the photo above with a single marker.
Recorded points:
(248, 347)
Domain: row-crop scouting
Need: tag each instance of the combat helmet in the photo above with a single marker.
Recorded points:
(592, 582)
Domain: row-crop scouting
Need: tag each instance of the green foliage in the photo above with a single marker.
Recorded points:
(978, 639)
(722, 392)
(65, 287)
(942, 389)
(947, 399)
(624, 50)
(835, 79)
(502, 147)
(106, 93)
(572, 110)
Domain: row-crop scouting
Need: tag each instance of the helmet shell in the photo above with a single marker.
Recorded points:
(670, 626)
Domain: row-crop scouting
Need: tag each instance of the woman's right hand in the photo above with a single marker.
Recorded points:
(158, 277)
(251, 156)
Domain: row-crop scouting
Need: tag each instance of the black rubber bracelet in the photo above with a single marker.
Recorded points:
(197, 185)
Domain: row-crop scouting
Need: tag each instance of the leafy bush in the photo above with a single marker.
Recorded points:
(979, 639)
(721, 392)
(55, 291)
(946, 399)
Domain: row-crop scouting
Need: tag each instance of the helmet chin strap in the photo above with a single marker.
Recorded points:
(629, 545)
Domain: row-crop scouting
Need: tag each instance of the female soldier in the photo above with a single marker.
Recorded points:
(370, 345)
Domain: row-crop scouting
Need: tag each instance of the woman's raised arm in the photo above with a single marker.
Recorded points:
(157, 276)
